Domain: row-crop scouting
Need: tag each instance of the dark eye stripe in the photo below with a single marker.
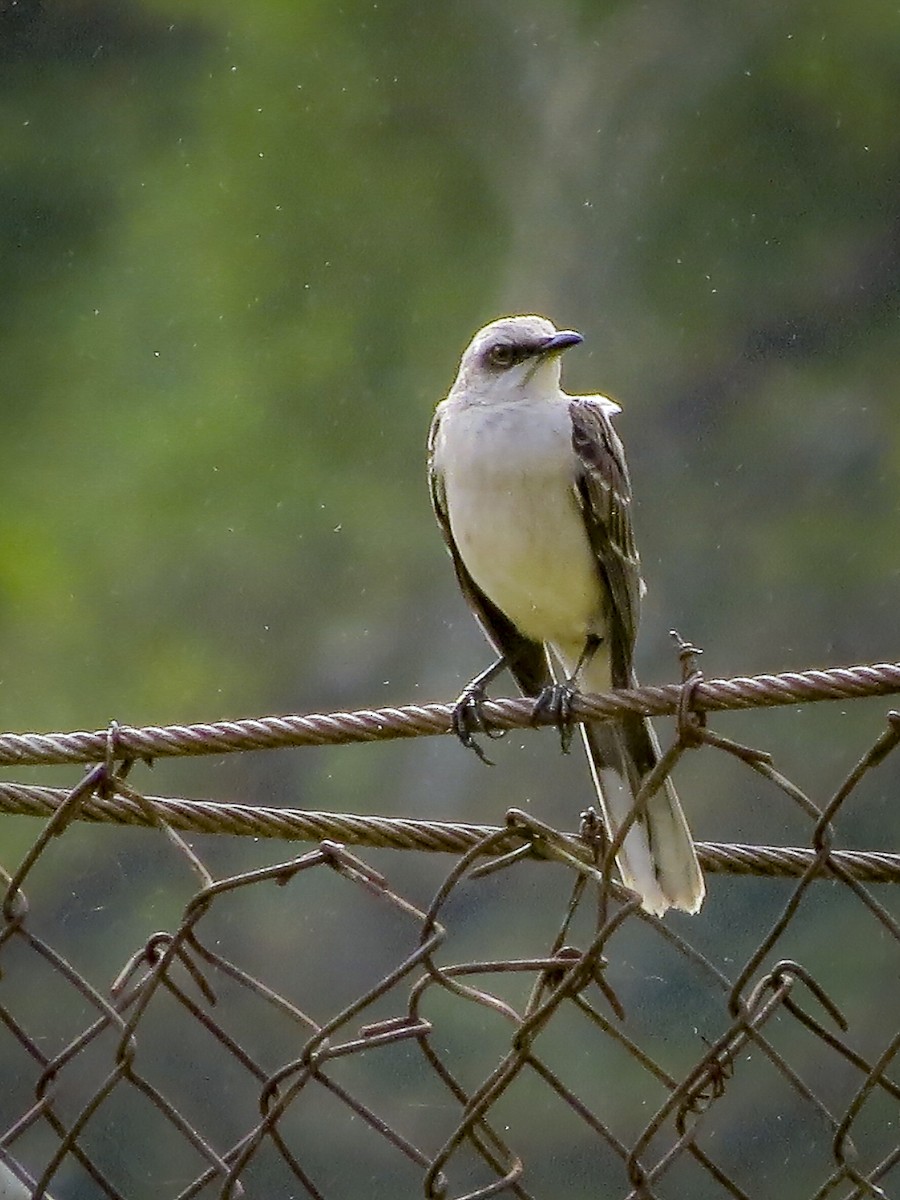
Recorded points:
(506, 355)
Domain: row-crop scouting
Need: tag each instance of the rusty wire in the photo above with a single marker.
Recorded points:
(291, 1100)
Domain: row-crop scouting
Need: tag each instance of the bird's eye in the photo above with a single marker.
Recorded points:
(502, 355)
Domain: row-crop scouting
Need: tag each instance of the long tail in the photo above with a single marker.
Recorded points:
(657, 859)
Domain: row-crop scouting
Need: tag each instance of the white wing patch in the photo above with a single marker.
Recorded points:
(610, 407)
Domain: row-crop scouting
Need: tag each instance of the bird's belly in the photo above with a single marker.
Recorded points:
(521, 536)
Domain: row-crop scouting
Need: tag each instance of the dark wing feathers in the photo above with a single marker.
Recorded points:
(525, 659)
(604, 493)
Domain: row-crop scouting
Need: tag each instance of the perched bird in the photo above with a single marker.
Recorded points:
(531, 491)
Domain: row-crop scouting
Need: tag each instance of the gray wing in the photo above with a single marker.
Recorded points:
(604, 494)
(525, 659)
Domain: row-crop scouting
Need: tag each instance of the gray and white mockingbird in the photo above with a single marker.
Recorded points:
(532, 494)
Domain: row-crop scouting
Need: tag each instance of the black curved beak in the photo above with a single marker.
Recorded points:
(561, 341)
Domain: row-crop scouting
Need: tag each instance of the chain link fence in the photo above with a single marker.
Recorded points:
(337, 1024)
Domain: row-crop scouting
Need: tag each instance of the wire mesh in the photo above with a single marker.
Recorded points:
(319, 1027)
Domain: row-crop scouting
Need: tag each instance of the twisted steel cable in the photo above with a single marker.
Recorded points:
(413, 720)
(119, 743)
(400, 833)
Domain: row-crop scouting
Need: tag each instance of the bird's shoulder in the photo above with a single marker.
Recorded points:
(597, 446)
(603, 491)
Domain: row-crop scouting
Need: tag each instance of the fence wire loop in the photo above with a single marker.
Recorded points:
(263, 1039)
(690, 721)
(105, 781)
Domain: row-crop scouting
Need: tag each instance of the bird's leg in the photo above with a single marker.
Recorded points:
(556, 699)
(468, 718)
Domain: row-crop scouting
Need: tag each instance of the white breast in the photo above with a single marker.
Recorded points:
(508, 474)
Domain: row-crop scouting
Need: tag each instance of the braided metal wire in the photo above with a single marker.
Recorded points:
(402, 833)
(413, 720)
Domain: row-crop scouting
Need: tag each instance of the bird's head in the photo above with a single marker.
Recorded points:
(512, 359)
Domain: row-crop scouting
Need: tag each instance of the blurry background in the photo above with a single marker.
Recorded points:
(241, 249)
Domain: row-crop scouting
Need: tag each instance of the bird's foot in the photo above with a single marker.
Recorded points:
(468, 718)
(555, 701)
